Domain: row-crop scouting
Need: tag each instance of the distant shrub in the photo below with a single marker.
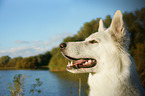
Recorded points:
(17, 87)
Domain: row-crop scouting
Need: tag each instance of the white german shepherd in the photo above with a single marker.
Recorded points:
(104, 55)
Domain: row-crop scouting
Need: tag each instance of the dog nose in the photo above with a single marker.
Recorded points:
(62, 46)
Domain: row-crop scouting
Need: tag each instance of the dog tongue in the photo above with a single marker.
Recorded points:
(79, 62)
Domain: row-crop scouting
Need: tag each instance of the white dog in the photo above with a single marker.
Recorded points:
(104, 55)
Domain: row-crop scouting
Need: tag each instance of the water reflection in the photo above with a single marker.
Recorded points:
(72, 89)
(54, 83)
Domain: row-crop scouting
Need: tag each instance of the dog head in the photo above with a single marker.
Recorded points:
(98, 49)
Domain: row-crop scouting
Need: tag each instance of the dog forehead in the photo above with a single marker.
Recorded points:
(95, 36)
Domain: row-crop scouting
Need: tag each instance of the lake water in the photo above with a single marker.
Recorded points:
(54, 83)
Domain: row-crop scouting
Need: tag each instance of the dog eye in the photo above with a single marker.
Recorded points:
(93, 41)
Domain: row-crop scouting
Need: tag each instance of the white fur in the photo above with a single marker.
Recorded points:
(115, 73)
(101, 26)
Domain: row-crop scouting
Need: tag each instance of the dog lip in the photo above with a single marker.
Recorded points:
(71, 58)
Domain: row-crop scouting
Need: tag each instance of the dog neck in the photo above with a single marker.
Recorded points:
(110, 80)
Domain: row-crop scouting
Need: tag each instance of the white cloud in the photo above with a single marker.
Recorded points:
(21, 42)
(34, 47)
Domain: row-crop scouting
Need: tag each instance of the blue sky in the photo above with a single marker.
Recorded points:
(31, 27)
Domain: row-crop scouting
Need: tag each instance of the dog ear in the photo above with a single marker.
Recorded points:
(117, 28)
(101, 26)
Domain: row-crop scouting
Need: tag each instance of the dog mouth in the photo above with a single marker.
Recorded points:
(78, 63)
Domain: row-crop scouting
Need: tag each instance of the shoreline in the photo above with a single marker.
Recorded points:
(39, 68)
(14, 68)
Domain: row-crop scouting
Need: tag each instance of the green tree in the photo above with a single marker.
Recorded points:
(43, 59)
(13, 62)
(139, 56)
(4, 60)
(58, 62)
(28, 62)
(107, 21)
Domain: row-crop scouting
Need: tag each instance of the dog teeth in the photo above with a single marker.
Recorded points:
(70, 64)
(86, 62)
(89, 61)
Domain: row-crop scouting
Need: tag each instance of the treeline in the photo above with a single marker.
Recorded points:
(25, 63)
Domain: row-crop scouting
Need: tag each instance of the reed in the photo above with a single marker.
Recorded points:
(79, 86)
